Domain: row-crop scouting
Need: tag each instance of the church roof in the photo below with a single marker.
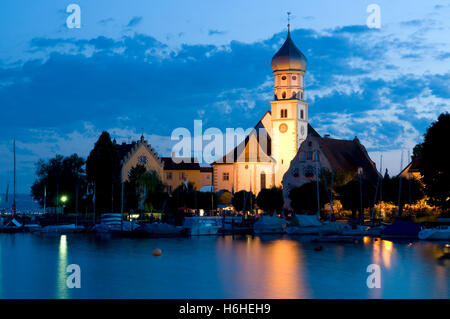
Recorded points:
(348, 156)
(242, 152)
(289, 57)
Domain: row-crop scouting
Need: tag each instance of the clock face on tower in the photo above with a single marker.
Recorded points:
(283, 128)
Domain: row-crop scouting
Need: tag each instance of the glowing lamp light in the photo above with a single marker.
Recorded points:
(64, 198)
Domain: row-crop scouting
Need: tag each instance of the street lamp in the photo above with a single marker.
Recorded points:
(63, 200)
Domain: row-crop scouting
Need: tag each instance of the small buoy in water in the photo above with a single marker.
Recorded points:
(318, 248)
(157, 252)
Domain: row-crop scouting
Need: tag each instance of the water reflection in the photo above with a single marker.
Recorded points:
(61, 288)
(220, 267)
(269, 267)
(384, 249)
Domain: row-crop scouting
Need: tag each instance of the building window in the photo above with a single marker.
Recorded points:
(169, 189)
(142, 160)
(283, 113)
(294, 78)
(169, 175)
(182, 176)
(263, 180)
(283, 95)
(302, 114)
(309, 171)
(301, 95)
(317, 156)
(309, 156)
(226, 176)
(283, 78)
(294, 95)
(295, 173)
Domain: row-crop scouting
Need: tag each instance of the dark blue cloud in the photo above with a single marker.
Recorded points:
(134, 22)
(215, 32)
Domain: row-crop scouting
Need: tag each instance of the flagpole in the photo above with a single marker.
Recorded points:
(45, 198)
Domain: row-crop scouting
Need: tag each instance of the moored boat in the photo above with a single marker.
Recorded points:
(57, 229)
(304, 224)
(437, 233)
(196, 226)
(270, 225)
(401, 229)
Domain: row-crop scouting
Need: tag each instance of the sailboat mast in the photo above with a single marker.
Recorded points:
(14, 187)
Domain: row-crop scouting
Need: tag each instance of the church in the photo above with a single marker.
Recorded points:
(263, 158)
(283, 149)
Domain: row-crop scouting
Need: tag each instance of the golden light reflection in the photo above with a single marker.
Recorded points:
(383, 248)
(268, 268)
(61, 287)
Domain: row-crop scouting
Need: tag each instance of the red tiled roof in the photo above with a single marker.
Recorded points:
(348, 156)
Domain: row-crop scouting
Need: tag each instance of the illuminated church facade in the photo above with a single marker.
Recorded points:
(262, 159)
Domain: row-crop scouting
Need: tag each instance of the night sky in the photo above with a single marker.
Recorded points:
(153, 66)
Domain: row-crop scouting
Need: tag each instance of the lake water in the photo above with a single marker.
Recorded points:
(219, 267)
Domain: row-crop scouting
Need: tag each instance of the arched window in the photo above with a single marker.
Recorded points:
(294, 95)
(301, 114)
(283, 113)
(283, 95)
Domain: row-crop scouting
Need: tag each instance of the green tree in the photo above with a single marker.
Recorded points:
(433, 164)
(60, 176)
(304, 198)
(270, 200)
(132, 189)
(103, 171)
(242, 197)
(154, 188)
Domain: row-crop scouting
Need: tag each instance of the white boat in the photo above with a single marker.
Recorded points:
(196, 226)
(355, 230)
(304, 225)
(12, 226)
(332, 228)
(114, 223)
(438, 233)
(270, 225)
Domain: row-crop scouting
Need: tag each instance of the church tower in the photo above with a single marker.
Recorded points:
(289, 110)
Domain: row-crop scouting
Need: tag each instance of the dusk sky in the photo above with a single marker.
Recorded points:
(153, 66)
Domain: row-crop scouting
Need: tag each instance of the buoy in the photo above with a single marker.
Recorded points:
(318, 248)
(157, 252)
